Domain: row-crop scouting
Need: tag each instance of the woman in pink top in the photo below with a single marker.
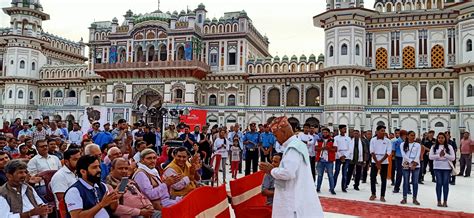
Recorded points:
(466, 155)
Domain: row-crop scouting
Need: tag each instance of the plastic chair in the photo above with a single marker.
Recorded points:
(216, 162)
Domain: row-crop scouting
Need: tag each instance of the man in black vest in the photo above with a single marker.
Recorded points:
(89, 197)
(13, 204)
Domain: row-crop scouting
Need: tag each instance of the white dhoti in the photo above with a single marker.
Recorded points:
(295, 193)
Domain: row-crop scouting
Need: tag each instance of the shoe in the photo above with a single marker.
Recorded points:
(344, 190)
(452, 183)
(382, 199)
(433, 180)
(415, 202)
(445, 204)
(420, 182)
(363, 181)
(317, 190)
(439, 204)
(467, 176)
(373, 197)
(396, 191)
(460, 174)
(356, 188)
(404, 201)
(333, 192)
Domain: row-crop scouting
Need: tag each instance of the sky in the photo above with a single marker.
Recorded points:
(287, 24)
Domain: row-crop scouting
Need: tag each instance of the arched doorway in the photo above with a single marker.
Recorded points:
(294, 122)
(69, 120)
(151, 99)
(313, 122)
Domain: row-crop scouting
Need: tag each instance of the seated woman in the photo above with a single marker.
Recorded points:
(189, 170)
(150, 183)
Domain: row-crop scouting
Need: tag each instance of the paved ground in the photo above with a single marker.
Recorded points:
(461, 195)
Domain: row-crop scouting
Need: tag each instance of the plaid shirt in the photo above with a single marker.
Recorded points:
(39, 135)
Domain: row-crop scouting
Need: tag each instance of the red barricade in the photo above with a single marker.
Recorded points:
(203, 202)
(247, 200)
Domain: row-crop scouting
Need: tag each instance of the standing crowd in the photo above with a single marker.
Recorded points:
(45, 168)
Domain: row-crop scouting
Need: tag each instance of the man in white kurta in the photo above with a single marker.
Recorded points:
(295, 193)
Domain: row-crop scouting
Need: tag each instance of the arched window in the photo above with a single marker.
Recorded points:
(312, 97)
(72, 94)
(469, 45)
(22, 64)
(274, 97)
(469, 91)
(381, 93)
(20, 94)
(180, 53)
(58, 94)
(438, 93)
(33, 66)
(293, 97)
(357, 50)
(231, 100)
(331, 92)
(200, 18)
(344, 92)
(178, 94)
(119, 96)
(10, 94)
(331, 51)
(344, 49)
(356, 92)
(47, 94)
(96, 100)
(439, 124)
(212, 100)
(163, 53)
(151, 53)
(32, 97)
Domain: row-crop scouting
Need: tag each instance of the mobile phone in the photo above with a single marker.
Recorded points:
(123, 184)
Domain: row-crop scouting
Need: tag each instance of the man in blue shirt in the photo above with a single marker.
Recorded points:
(397, 152)
(251, 141)
(267, 140)
(188, 139)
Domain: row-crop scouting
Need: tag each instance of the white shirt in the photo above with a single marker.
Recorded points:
(39, 164)
(295, 195)
(380, 147)
(309, 141)
(441, 163)
(413, 153)
(75, 137)
(73, 200)
(223, 151)
(342, 144)
(27, 205)
(136, 157)
(360, 157)
(62, 180)
(56, 132)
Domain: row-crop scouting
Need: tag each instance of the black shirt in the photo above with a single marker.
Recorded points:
(3, 178)
(150, 138)
(428, 143)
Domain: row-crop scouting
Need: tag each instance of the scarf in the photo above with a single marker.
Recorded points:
(299, 146)
(153, 172)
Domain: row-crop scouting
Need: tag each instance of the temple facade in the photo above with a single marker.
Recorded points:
(405, 64)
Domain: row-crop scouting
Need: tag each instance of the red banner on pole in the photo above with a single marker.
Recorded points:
(195, 118)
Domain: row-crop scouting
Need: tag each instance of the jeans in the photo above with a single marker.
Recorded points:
(406, 181)
(329, 167)
(223, 162)
(345, 165)
(442, 182)
(466, 162)
(373, 178)
(350, 171)
(398, 177)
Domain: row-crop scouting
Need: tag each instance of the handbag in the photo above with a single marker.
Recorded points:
(454, 171)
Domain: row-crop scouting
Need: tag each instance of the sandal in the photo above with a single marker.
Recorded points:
(373, 197)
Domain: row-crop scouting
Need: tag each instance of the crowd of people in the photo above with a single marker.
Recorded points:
(53, 167)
